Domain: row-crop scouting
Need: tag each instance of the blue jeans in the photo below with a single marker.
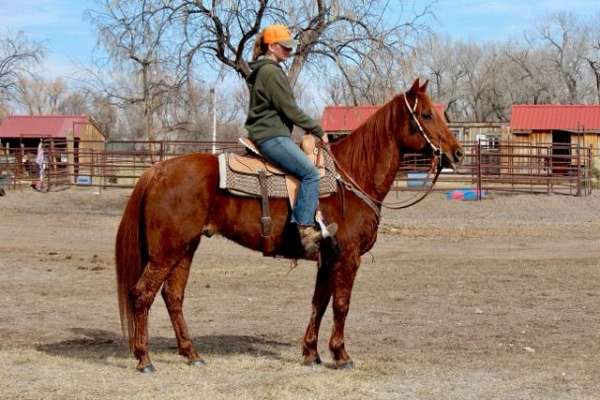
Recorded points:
(287, 155)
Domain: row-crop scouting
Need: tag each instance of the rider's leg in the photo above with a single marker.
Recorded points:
(284, 153)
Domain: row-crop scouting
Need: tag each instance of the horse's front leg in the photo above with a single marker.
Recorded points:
(344, 273)
(319, 305)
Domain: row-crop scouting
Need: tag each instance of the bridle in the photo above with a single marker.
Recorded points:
(350, 184)
(437, 152)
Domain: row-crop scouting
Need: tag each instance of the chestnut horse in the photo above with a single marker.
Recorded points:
(178, 201)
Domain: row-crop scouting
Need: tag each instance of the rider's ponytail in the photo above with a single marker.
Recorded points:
(260, 47)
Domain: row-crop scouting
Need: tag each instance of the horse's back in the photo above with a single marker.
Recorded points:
(187, 172)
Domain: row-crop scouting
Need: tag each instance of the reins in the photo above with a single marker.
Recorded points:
(350, 184)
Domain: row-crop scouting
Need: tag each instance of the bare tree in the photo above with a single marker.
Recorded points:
(556, 63)
(75, 103)
(162, 53)
(29, 95)
(372, 81)
(355, 37)
(4, 111)
(18, 57)
(565, 39)
(222, 32)
(594, 64)
(592, 56)
(38, 96)
(527, 75)
(437, 60)
(104, 113)
(143, 68)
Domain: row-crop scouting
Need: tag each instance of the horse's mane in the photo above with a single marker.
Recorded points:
(362, 148)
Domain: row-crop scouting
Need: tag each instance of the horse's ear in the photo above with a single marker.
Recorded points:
(414, 89)
(423, 88)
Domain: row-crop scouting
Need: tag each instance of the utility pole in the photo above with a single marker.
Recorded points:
(213, 93)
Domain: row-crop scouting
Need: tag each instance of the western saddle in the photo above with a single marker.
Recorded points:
(267, 180)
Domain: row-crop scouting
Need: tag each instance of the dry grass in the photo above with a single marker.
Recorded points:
(463, 301)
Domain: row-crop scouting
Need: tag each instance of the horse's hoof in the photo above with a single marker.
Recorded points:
(312, 362)
(197, 362)
(345, 365)
(147, 369)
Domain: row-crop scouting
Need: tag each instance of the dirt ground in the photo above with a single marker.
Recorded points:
(498, 299)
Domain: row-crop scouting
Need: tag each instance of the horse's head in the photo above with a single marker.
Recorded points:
(425, 130)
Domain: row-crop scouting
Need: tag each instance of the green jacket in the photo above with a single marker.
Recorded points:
(273, 110)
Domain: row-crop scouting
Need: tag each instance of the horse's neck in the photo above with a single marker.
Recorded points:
(375, 166)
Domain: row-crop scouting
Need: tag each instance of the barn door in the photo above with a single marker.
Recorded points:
(561, 152)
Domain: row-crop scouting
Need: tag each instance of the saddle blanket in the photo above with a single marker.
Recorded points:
(246, 183)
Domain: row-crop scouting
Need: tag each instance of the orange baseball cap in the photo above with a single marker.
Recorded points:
(278, 34)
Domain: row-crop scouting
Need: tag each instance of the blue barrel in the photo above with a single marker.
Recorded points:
(417, 180)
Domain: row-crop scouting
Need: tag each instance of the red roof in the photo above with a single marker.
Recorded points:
(41, 125)
(346, 118)
(555, 117)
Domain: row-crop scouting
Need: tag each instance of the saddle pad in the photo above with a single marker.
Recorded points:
(246, 184)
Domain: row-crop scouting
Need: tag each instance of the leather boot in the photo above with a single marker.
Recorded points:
(310, 237)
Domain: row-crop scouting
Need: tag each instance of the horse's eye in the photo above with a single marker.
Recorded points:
(426, 116)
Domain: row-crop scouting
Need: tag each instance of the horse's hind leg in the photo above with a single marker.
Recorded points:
(143, 294)
(320, 301)
(173, 294)
(344, 273)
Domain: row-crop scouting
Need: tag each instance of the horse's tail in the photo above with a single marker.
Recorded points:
(131, 252)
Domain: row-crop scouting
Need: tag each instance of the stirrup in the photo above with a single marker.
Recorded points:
(329, 230)
(326, 230)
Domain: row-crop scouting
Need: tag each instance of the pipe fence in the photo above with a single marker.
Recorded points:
(502, 166)
(510, 167)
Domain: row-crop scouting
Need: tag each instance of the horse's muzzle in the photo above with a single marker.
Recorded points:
(453, 160)
(459, 155)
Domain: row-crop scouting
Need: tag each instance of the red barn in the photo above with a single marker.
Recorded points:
(30, 129)
(560, 124)
(73, 139)
(563, 132)
(340, 120)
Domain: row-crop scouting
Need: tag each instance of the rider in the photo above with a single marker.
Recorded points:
(272, 113)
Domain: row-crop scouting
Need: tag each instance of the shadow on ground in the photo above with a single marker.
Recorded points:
(98, 345)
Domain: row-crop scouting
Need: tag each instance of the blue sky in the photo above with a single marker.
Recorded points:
(57, 24)
(60, 24)
(499, 19)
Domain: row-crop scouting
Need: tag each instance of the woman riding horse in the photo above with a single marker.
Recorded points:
(272, 114)
(178, 201)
